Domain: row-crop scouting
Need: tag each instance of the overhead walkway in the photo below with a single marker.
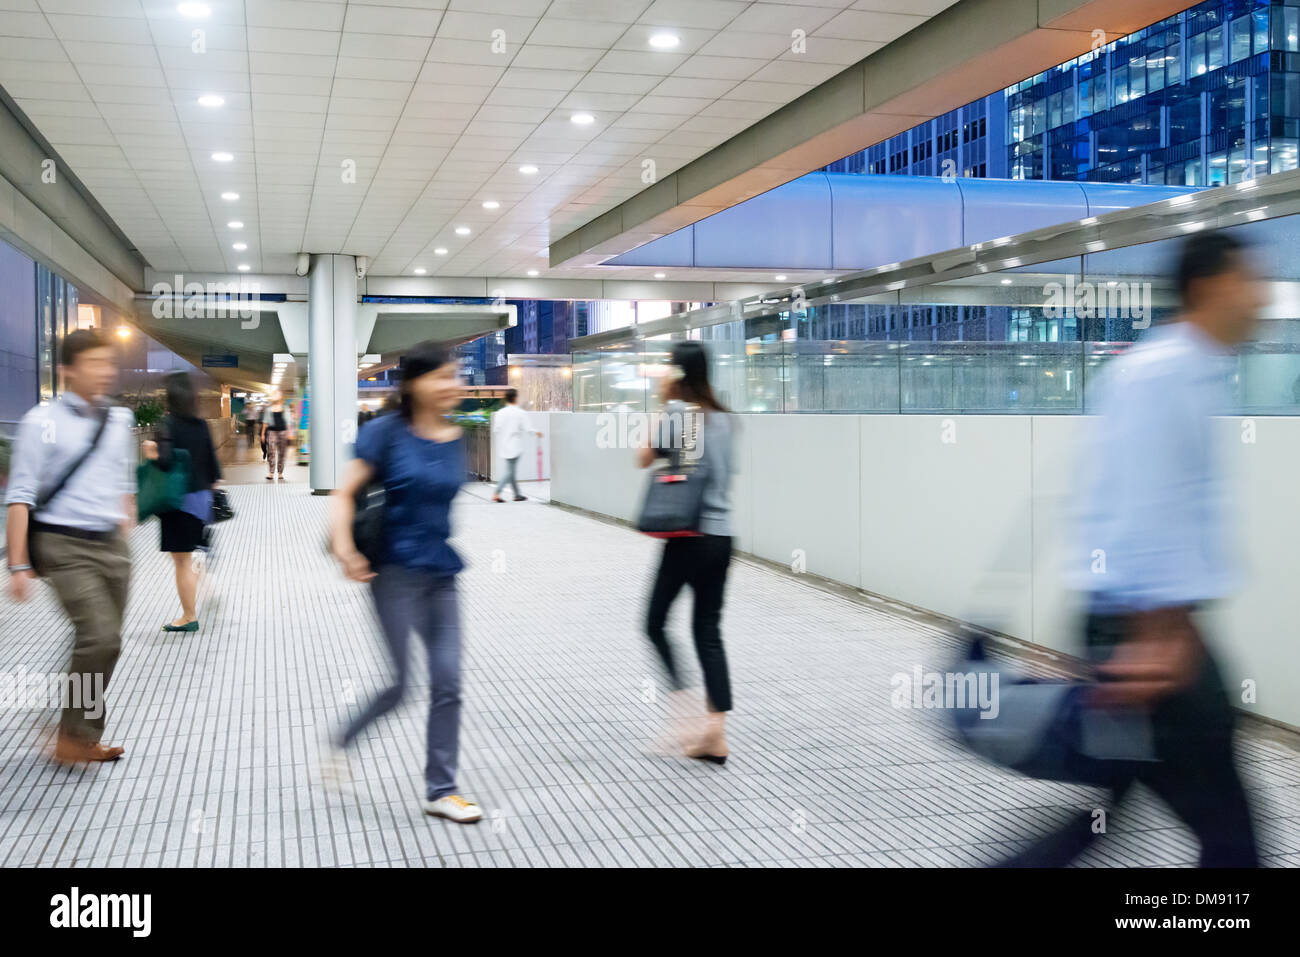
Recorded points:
(223, 729)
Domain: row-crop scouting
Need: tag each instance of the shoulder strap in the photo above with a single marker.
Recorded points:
(387, 434)
(47, 496)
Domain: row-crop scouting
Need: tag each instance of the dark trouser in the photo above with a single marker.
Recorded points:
(91, 579)
(408, 599)
(512, 466)
(1194, 772)
(700, 562)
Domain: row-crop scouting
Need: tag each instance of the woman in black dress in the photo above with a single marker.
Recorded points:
(183, 529)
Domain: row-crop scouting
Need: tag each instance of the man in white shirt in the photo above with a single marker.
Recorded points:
(509, 426)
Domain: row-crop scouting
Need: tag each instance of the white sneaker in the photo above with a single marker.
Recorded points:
(455, 808)
(335, 772)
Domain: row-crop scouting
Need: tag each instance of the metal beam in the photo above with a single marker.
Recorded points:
(39, 190)
(973, 48)
(1269, 197)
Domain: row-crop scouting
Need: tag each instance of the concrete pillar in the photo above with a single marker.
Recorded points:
(332, 367)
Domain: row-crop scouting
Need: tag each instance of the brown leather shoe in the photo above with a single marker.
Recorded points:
(68, 750)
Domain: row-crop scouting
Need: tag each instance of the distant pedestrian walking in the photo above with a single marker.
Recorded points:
(509, 426)
(251, 424)
(275, 434)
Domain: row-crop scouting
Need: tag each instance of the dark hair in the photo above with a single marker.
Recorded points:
(1204, 255)
(511, 395)
(424, 357)
(690, 357)
(75, 343)
(180, 395)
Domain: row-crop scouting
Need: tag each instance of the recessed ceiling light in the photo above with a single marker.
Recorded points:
(440, 251)
(462, 230)
(582, 119)
(243, 267)
(664, 41)
(491, 204)
(420, 270)
(223, 157)
(230, 197)
(235, 224)
(212, 100)
(528, 169)
(195, 11)
(781, 278)
(660, 275)
(532, 272)
(239, 247)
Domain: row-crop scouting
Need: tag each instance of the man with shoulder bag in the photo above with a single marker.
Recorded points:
(70, 504)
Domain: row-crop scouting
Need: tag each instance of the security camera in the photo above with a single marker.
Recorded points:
(362, 263)
(304, 264)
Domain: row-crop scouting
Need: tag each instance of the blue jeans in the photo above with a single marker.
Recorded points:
(406, 600)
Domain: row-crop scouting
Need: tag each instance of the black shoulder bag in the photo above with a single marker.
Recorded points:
(674, 499)
(44, 498)
(369, 515)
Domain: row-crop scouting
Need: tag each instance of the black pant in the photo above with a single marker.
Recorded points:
(701, 562)
(1194, 772)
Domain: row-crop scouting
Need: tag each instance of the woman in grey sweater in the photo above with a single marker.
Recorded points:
(700, 561)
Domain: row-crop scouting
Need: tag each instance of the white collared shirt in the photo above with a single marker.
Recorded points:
(49, 439)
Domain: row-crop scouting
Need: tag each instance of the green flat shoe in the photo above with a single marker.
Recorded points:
(188, 626)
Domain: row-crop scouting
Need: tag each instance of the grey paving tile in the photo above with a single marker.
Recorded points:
(224, 728)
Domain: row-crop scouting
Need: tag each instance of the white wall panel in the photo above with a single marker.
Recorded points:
(604, 480)
(974, 528)
(945, 517)
(805, 491)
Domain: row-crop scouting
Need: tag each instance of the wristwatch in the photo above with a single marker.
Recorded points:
(19, 568)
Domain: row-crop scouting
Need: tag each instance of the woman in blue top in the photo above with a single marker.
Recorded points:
(419, 457)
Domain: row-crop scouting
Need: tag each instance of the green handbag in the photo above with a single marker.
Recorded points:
(158, 491)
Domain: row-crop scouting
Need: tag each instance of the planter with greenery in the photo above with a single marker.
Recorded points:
(148, 412)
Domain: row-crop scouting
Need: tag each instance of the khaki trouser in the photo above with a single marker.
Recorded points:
(91, 580)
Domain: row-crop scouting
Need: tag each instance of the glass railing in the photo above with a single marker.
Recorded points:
(916, 377)
(1021, 324)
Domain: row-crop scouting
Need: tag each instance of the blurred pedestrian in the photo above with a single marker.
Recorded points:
(509, 426)
(275, 435)
(250, 423)
(1151, 554)
(699, 560)
(418, 456)
(183, 530)
(71, 498)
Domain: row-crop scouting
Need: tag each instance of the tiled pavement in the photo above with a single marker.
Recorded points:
(223, 729)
